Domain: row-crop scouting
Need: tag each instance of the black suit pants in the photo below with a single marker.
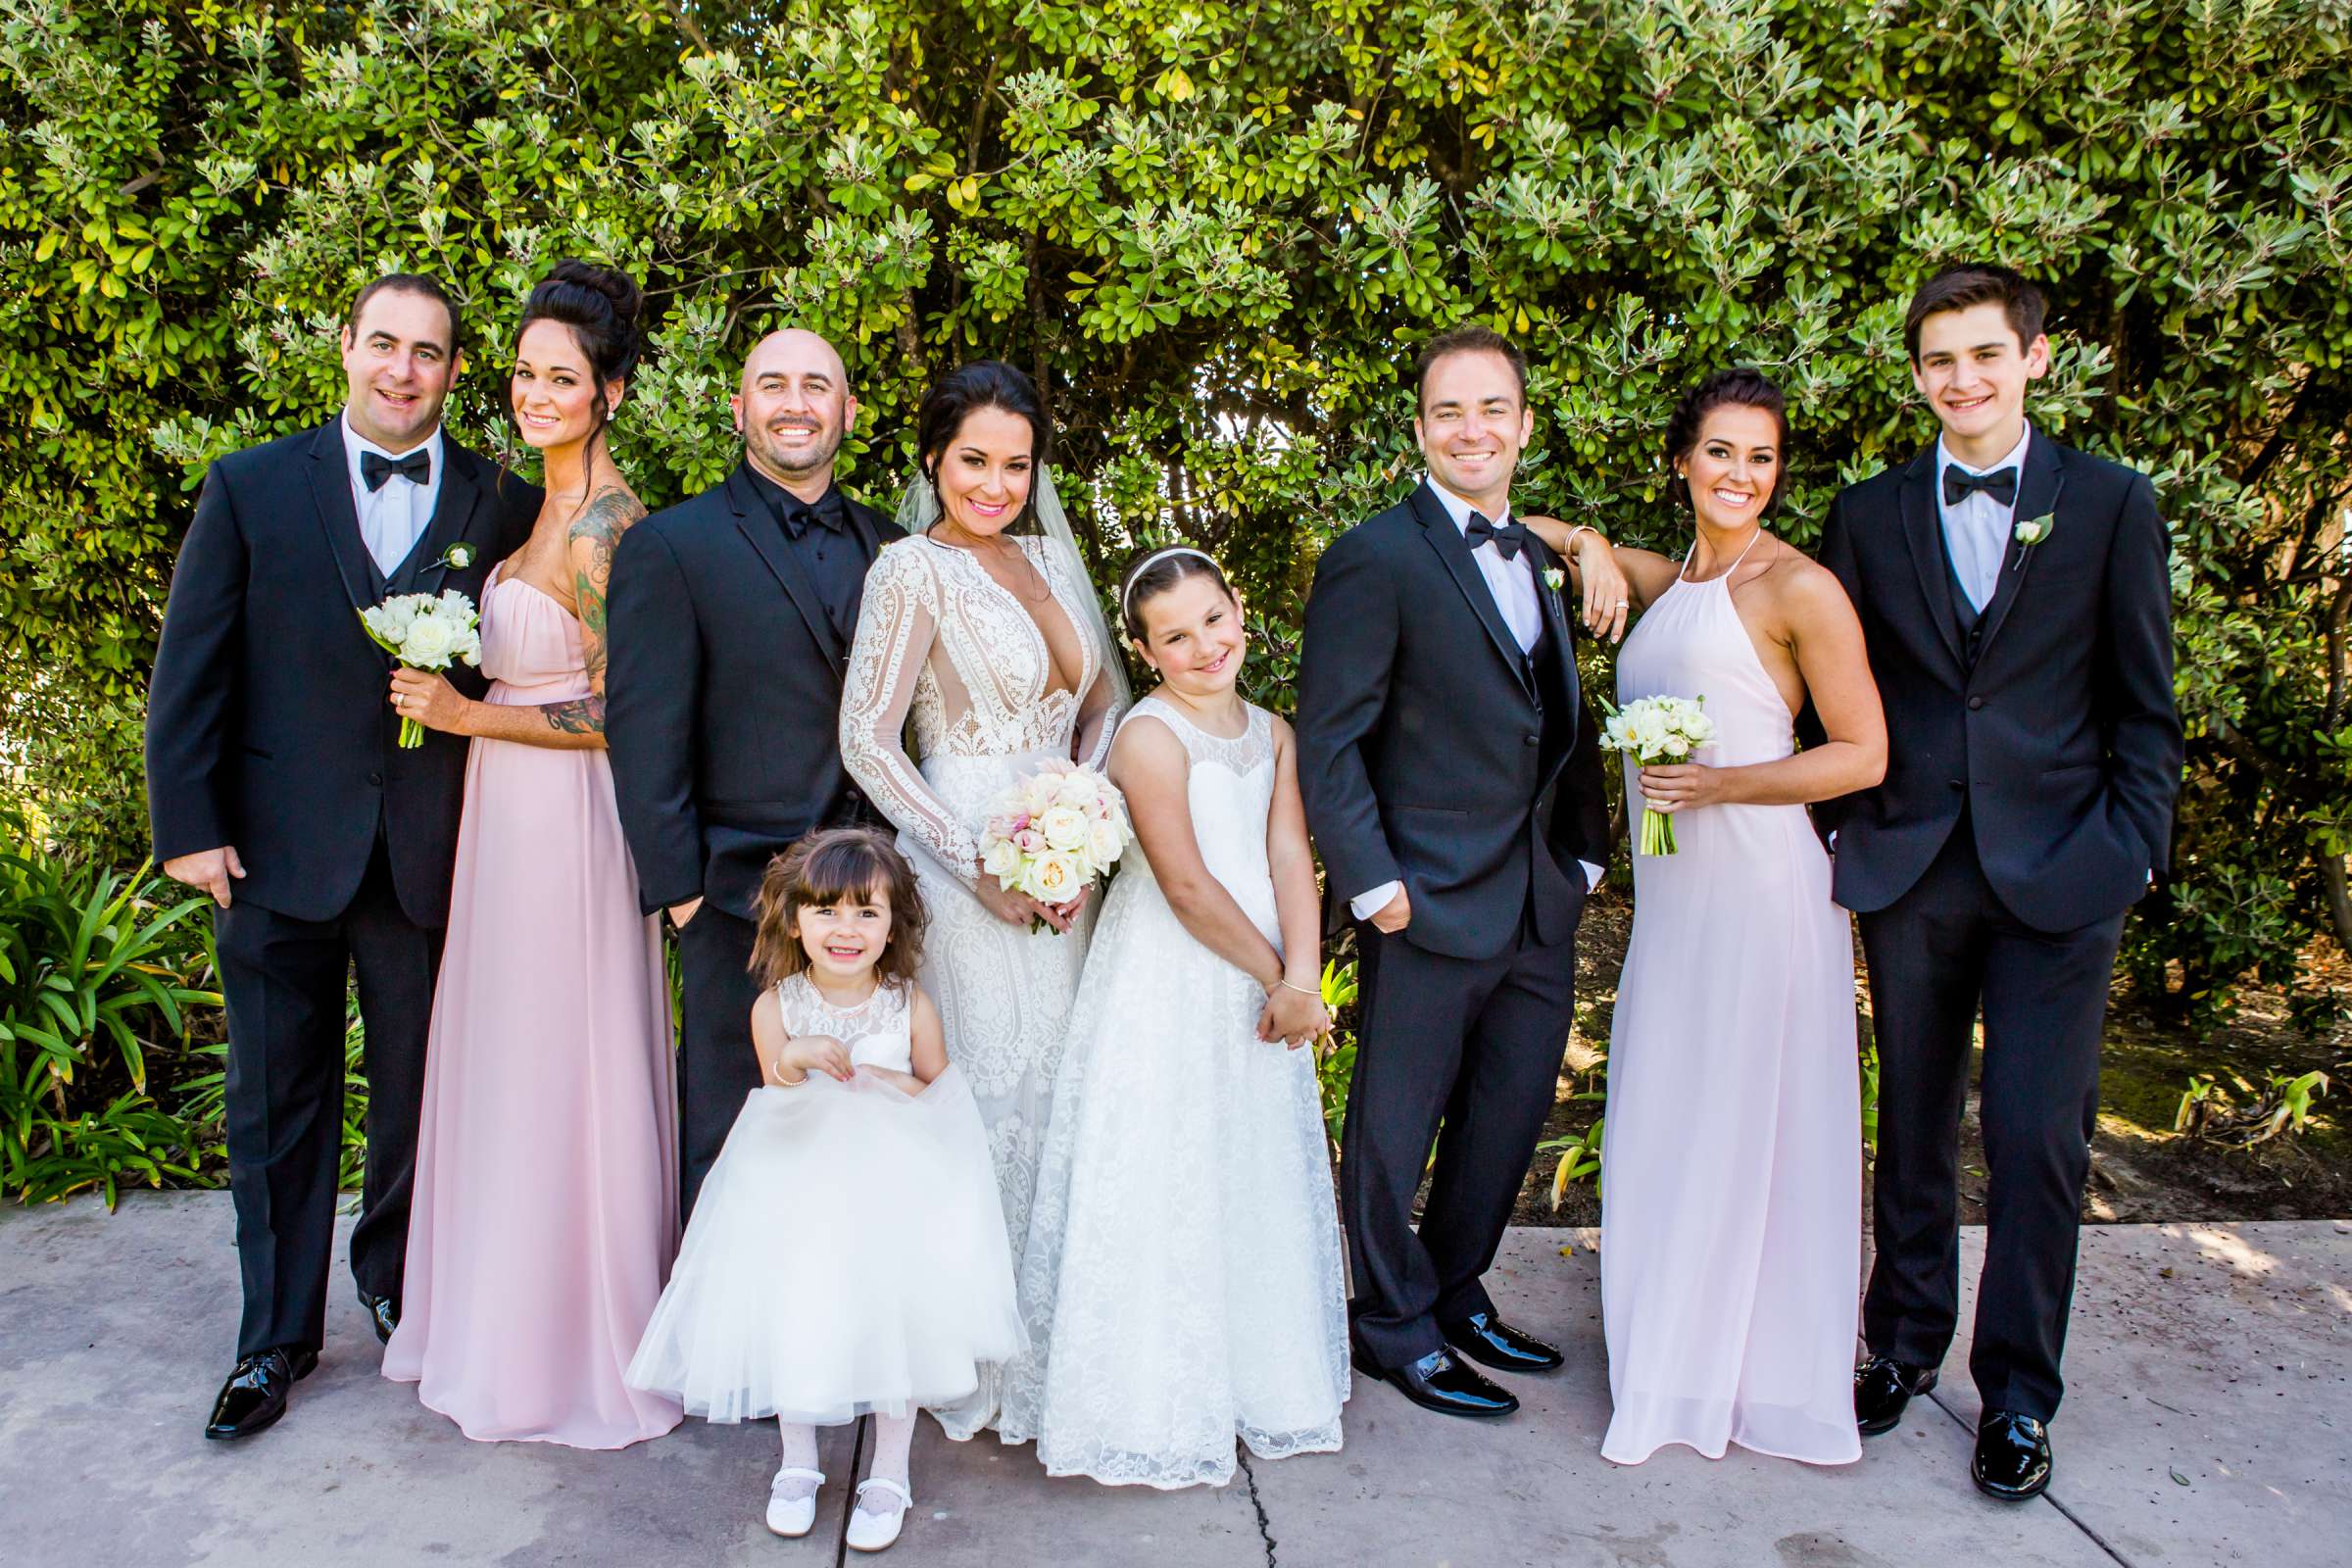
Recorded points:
(284, 981)
(1937, 954)
(1475, 1043)
(717, 1069)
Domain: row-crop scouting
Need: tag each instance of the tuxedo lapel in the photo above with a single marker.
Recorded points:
(1563, 640)
(1923, 532)
(2037, 492)
(1455, 551)
(454, 509)
(330, 496)
(759, 527)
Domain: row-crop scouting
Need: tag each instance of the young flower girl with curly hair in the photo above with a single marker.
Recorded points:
(848, 1254)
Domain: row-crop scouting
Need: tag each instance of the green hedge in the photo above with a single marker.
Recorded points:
(1215, 233)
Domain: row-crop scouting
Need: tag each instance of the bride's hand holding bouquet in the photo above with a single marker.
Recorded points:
(1048, 840)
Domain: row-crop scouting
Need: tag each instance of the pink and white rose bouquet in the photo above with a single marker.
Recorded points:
(1055, 833)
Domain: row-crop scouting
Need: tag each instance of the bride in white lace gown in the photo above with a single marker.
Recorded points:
(1182, 1282)
(994, 642)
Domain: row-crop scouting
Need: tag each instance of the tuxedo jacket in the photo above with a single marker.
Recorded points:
(269, 724)
(2050, 724)
(1429, 749)
(724, 695)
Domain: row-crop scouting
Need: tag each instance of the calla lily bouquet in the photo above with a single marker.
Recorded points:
(1054, 833)
(1656, 730)
(426, 632)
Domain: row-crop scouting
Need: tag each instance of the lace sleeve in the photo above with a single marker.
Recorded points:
(896, 625)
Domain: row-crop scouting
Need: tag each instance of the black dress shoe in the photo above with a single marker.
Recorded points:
(2012, 1456)
(1883, 1386)
(254, 1394)
(1441, 1382)
(384, 1312)
(1484, 1337)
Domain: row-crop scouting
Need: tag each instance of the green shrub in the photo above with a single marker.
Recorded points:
(98, 974)
(1216, 233)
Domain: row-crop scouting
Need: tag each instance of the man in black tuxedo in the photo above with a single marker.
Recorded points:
(275, 784)
(731, 620)
(1453, 784)
(2016, 602)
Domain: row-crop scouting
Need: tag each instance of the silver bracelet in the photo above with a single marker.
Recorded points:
(777, 1081)
(1568, 545)
(1301, 990)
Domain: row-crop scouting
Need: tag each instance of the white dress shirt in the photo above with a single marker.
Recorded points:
(1975, 530)
(1514, 585)
(391, 519)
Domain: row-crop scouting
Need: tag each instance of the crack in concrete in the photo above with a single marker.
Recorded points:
(1265, 1526)
(2064, 1513)
(841, 1542)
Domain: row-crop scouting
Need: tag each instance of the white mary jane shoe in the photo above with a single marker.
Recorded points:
(874, 1532)
(792, 1517)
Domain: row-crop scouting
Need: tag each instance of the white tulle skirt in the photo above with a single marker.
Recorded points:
(846, 1255)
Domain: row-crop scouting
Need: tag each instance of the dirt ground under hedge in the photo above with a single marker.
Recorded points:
(2142, 1170)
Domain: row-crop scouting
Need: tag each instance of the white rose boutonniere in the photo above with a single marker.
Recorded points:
(1553, 577)
(457, 557)
(2031, 531)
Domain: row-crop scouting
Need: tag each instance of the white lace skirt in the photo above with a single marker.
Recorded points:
(846, 1255)
(1182, 1281)
(1003, 993)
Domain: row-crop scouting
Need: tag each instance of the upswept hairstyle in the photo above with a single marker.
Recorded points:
(1472, 339)
(601, 306)
(832, 866)
(1957, 289)
(1152, 573)
(1738, 387)
(423, 283)
(955, 396)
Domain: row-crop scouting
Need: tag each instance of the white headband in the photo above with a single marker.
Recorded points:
(1127, 593)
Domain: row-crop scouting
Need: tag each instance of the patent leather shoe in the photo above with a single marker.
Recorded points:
(1883, 1386)
(254, 1394)
(1484, 1337)
(2012, 1456)
(383, 1312)
(1440, 1381)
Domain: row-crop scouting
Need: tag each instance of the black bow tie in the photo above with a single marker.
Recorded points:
(799, 516)
(1959, 483)
(1508, 539)
(417, 468)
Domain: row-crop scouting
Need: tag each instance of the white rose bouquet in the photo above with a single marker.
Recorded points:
(429, 632)
(1653, 730)
(1054, 833)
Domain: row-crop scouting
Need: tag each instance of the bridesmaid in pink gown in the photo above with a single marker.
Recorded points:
(544, 1215)
(1732, 1172)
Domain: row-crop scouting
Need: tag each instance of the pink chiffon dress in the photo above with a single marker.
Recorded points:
(1732, 1169)
(545, 1215)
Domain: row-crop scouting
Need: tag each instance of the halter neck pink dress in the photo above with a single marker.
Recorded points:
(1732, 1170)
(545, 1215)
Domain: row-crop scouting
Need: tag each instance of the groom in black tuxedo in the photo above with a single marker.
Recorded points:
(1453, 784)
(731, 619)
(275, 784)
(2017, 607)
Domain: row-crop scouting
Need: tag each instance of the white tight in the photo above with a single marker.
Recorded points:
(894, 1435)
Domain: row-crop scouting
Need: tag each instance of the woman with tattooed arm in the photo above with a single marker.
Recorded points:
(543, 1217)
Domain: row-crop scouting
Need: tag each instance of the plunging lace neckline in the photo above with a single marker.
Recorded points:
(1044, 644)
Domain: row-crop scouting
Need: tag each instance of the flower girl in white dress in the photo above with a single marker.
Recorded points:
(848, 1254)
(1181, 1280)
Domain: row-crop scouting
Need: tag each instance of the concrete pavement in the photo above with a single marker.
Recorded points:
(2209, 1420)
